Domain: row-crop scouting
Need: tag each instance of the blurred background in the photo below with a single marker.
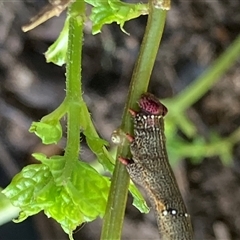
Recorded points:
(196, 33)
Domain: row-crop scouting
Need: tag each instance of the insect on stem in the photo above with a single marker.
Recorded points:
(150, 168)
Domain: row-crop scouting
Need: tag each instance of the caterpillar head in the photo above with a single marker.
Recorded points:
(149, 104)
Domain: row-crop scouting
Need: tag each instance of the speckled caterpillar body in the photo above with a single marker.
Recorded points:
(150, 168)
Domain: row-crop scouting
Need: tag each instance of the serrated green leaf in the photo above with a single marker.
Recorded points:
(50, 132)
(106, 12)
(81, 198)
(26, 187)
(56, 166)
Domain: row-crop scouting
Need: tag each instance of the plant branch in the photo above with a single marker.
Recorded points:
(113, 220)
(73, 81)
(205, 81)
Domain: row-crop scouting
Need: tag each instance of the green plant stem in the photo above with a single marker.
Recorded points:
(234, 137)
(206, 80)
(58, 113)
(178, 104)
(73, 84)
(113, 220)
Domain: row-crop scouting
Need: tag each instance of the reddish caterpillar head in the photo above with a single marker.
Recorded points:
(149, 104)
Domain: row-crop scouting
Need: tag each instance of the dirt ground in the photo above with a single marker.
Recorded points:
(196, 33)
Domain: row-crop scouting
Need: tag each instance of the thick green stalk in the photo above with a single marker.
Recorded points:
(73, 83)
(113, 220)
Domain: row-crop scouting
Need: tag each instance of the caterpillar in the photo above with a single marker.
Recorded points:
(150, 168)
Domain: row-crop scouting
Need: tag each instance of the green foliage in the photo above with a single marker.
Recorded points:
(66, 189)
(70, 199)
(109, 11)
(138, 200)
(49, 132)
(198, 147)
(71, 191)
(56, 53)
(103, 12)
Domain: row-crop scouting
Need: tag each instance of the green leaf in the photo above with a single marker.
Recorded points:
(56, 53)
(138, 200)
(49, 132)
(56, 165)
(97, 146)
(80, 198)
(106, 12)
(29, 188)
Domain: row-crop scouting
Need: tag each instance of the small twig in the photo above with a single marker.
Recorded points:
(54, 8)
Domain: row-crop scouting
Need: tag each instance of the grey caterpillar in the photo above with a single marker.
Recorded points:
(150, 168)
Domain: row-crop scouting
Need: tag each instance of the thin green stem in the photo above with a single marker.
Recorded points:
(234, 137)
(206, 80)
(185, 124)
(73, 82)
(113, 220)
(58, 113)
(178, 104)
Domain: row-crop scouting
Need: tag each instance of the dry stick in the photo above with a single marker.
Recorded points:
(52, 9)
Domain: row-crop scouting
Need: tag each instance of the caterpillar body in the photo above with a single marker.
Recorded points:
(150, 168)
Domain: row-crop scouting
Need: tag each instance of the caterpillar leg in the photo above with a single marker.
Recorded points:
(135, 170)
